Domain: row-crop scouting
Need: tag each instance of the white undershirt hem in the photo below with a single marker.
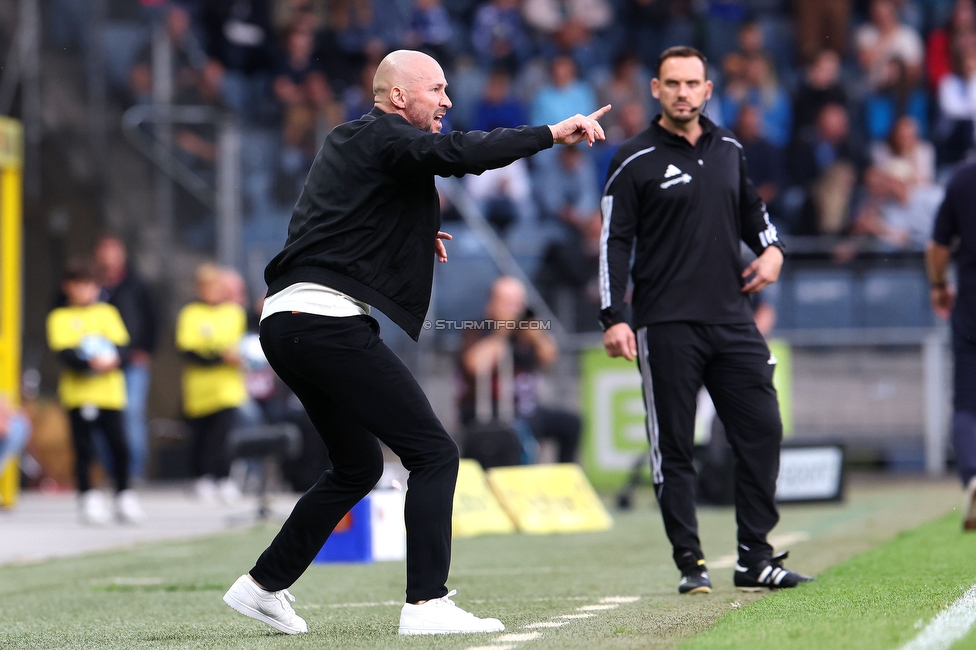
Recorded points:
(313, 298)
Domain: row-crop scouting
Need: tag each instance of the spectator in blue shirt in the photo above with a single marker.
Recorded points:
(565, 94)
(499, 36)
(498, 106)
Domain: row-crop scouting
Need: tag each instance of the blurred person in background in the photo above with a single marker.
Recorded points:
(946, 43)
(15, 431)
(504, 195)
(498, 106)
(955, 230)
(884, 39)
(123, 288)
(240, 37)
(820, 85)
(758, 87)
(499, 36)
(567, 188)
(820, 25)
(568, 276)
(957, 108)
(902, 194)
(533, 349)
(431, 30)
(765, 159)
(189, 58)
(208, 334)
(827, 164)
(309, 110)
(571, 26)
(899, 95)
(91, 342)
(563, 93)
(655, 25)
(629, 83)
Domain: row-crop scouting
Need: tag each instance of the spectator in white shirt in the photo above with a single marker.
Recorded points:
(885, 39)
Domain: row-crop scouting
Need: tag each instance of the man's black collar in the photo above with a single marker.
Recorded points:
(707, 127)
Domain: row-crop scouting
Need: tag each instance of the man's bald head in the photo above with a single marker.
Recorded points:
(412, 84)
(507, 300)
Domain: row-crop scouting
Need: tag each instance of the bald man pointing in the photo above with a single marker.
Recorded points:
(363, 236)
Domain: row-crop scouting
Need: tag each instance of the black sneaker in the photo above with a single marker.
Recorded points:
(769, 574)
(695, 581)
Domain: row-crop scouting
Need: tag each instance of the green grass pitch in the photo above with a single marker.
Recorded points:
(615, 589)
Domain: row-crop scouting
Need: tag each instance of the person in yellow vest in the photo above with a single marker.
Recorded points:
(90, 340)
(208, 333)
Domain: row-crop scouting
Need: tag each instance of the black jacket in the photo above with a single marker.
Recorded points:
(687, 207)
(367, 217)
(138, 310)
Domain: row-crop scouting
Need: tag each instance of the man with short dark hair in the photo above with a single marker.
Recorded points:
(681, 190)
(125, 290)
(364, 234)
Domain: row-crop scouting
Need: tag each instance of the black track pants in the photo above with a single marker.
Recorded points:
(84, 423)
(208, 451)
(735, 365)
(357, 392)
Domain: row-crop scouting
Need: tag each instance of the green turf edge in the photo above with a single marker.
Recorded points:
(879, 599)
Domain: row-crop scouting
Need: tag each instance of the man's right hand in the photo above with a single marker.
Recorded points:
(575, 129)
(619, 341)
(943, 298)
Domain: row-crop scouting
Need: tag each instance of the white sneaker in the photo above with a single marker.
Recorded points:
(127, 508)
(228, 491)
(443, 616)
(969, 508)
(94, 509)
(206, 489)
(269, 607)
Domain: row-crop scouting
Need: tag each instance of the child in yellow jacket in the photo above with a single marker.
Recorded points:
(208, 333)
(90, 338)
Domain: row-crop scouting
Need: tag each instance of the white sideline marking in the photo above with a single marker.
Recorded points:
(728, 561)
(491, 647)
(949, 626)
(594, 608)
(524, 636)
(620, 599)
(574, 616)
(385, 603)
(531, 626)
(128, 581)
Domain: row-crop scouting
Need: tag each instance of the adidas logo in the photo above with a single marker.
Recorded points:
(671, 171)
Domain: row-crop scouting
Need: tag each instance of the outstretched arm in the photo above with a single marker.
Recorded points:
(577, 128)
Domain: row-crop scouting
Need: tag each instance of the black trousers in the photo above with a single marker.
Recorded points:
(208, 448)
(84, 423)
(735, 365)
(358, 392)
(559, 425)
(964, 404)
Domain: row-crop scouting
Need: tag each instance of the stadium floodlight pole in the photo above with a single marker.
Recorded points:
(30, 61)
(162, 100)
(228, 206)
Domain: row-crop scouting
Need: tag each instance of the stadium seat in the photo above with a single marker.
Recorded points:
(895, 298)
(823, 299)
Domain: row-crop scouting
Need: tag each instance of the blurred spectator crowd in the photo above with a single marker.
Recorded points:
(851, 112)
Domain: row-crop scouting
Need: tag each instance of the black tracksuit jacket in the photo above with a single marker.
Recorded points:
(687, 207)
(368, 215)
